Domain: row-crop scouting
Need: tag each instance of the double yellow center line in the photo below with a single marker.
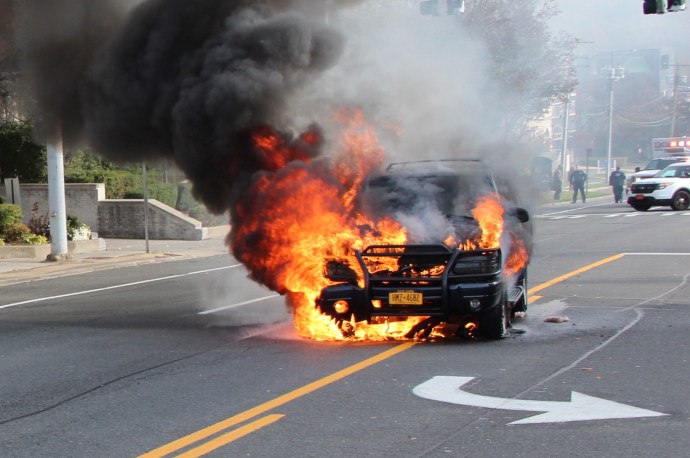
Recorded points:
(260, 409)
(224, 439)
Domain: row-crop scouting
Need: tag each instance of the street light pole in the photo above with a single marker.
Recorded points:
(614, 75)
(610, 143)
(56, 196)
(676, 77)
(564, 153)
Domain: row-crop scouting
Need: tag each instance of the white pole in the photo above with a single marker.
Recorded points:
(610, 144)
(56, 197)
(146, 209)
(566, 115)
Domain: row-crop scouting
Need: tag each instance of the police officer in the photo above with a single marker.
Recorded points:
(617, 181)
(578, 178)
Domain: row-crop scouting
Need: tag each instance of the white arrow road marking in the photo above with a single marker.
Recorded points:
(580, 408)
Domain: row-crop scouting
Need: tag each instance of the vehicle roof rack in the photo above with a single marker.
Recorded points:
(417, 164)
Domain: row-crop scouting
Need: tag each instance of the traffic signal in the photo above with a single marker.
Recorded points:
(654, 6)
(675, 5)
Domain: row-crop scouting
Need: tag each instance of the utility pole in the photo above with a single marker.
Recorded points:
(56, 196)
(614, 74)
(676, 79)
(564, 152)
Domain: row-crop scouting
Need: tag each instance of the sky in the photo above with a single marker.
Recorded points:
(609, 25)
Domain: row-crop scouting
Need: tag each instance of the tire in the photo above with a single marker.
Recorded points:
(680, 200)
(493, 324)
(641, 207)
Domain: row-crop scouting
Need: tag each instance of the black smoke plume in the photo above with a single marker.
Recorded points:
(188, 80)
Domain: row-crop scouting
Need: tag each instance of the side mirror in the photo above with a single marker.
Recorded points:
(520, 213)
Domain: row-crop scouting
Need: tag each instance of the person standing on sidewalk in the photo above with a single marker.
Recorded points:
(617, 181)
(578, 179)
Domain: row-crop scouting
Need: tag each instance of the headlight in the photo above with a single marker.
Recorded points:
(663, 185)
(341, 307)
(477, 263)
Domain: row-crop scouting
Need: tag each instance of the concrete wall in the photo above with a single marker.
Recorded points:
(124, 218)
(114, 218)
(81, 200)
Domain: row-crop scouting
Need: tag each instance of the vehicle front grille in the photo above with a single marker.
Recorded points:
(643, 188)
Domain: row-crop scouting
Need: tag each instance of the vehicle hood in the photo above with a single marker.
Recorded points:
(644, 174)
(660, 180)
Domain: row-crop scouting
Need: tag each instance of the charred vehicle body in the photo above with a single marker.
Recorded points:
(449, 283)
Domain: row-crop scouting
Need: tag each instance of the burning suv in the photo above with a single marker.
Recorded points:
(464, 265)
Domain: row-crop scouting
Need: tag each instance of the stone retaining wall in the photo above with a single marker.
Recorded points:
(124, 219)
(81, 200)
(113, 218)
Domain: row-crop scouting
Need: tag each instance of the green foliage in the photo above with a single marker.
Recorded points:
(19, 156)
(126, 181)
(76, 229)
(10, 214)
(21, 234)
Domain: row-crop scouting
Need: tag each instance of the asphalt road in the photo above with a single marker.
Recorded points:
(190, 358)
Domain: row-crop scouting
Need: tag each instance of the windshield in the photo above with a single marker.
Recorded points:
(677, 171)
(658, 164)
(450, 194)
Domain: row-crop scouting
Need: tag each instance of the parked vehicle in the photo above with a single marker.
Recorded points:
(652, 168)
(668, 188)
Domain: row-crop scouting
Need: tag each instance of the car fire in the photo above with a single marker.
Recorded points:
(243, 97)
(302, 229)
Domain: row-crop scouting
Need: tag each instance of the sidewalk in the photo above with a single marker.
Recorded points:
(117, 253)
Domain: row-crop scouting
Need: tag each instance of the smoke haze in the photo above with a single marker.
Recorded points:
(189, 80)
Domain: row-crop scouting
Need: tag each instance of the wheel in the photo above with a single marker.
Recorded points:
(493, 324)
(641, 207)
(680, 200)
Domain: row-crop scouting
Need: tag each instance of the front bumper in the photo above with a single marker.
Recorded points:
(467, 298)
(431, 281)
(656, 199)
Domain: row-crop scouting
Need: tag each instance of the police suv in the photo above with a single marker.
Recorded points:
(668, 188)
(652, 168)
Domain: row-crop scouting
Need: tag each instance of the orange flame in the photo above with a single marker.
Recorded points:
(299, 213)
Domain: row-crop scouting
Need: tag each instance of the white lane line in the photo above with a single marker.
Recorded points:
(239, 304)
(656, 254)
(125, 285)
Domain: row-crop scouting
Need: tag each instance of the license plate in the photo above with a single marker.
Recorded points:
(405, 298)
(639, 197)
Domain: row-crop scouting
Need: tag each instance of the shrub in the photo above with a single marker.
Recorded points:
(10, 214)
(21, 234)
(39, 224)
(76, 229)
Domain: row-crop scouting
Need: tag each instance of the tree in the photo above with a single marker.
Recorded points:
(531, 67)
(19, 156)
